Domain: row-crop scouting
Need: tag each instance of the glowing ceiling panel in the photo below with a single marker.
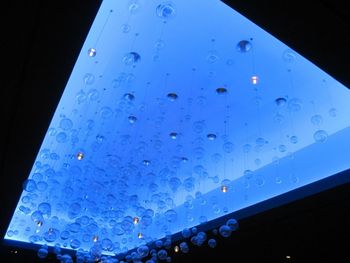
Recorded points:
(177, 113)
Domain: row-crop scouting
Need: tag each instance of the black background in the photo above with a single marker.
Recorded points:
(40, 42)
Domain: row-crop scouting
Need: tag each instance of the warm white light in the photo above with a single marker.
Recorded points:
(80, 156)
(136, 220)
(255, 80)
(176, 249)
(224, 189)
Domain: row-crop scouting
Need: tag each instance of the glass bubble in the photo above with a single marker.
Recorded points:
(212, 243)
(173, 135)
(247, 148)
(199, 126)
(221, 90)
(172, 96)
(212, 57)
(131, 58)
(29, 185)
(228, 147)
(132, 119)
(42, 252)
(51, 235)
(233, 224)
(143, 251)
(65, 235)
(45, 209)
(106, 112)
(165, 10)
(74, 210)
(293, 139)
(320, 136)
(92, 52)
(282, 148)
(89, 78)
(93, 94)
(25, 210)
(170, 216)
(332, 112)
(295, 104)
(74, 227)
(107, 244)
(128, 96)
(186, 233)
(244, 46)
(162, 254)
(280, 101)
(278, 118)
(61, 137)
(211, 136)
(133, 7)
(66, 124)
(225, 231)
(125, 28)
(316, 119)
(260, 142)
(184, 247)
(288, 56)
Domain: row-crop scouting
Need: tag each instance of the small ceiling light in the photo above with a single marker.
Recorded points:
(146, 162)
(224, 189)
(136, 220)
(255, 80)
(176, 249)
(173, 135)
(80, 156)
(92, 52)
(288, 257)
(39, 223)
(139, 235)
(95, 238)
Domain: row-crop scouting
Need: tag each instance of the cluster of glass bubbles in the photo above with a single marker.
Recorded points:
(160, 250)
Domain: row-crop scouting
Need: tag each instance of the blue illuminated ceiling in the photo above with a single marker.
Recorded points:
(177, 114)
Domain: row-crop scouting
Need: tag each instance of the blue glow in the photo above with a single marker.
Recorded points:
(177, 113)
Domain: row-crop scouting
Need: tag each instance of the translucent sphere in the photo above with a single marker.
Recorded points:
(288, 56)
(132, 119)
(225, 231)
(316, 119)
(232, 223)
(66, 124)
(332, 112)
(172, 96)
(228, 147)
(295, 104)
(280, 101)
(184, 247)
(128, 96)
(211, 136)
(244, 46)
(186, 233)
(29, 186)
(212, 243)
(165, 10)
(221, 90)
(143, 251)
(131, 58)
(162, 254)
(320, 136)
(293, 139)
(42, 252)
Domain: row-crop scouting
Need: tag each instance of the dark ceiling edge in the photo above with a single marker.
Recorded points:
(310, 28)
